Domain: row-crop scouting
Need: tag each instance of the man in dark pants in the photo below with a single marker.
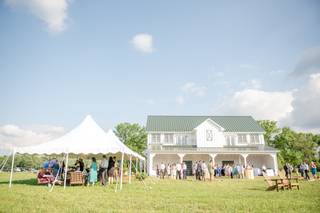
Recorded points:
(306, 171)
(103, 170)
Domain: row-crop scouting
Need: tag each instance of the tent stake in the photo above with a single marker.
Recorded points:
(12, 163)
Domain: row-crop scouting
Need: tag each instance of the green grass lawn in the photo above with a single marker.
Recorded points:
(224, 195)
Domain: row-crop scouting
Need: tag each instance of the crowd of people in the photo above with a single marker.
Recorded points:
(200, 170)
(53, 172)
(303, 170)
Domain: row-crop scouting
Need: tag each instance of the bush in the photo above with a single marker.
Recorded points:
(141, 176)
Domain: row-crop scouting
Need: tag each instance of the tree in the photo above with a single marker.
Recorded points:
(294, 147)
(133, 135)
(316, 139)
(271, 129)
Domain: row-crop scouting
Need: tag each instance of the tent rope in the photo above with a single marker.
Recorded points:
(144, 183)
(56, 178)
(4, 162)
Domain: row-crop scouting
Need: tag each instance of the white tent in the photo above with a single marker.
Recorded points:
(87, 138)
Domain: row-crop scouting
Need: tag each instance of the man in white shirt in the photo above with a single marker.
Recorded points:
(103, 169)
(162, 170)
(184, 169)
(178, 171)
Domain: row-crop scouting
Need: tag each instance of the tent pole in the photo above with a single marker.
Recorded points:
(130, 169)
(121, 170)
(65, 171)
(136, 165)
(12, 163)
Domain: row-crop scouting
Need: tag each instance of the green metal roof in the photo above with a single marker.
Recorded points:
(164, 123)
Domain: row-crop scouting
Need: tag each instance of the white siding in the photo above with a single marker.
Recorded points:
(218, 136)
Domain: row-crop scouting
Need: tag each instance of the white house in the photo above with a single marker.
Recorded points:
(223, 139)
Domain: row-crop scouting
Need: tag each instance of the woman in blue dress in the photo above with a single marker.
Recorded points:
(93, 171)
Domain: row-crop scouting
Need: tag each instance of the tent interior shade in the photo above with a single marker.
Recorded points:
(87, 138)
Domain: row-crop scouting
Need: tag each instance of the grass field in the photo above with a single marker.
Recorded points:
(223, 195)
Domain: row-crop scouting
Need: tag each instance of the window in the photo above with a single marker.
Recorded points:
(168, 138)
(155, 138)
(182, 139)
(242, 139)
(230, 140)
(185, 139)
(209, 135)
(254, 139)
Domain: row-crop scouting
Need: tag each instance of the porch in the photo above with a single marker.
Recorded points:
(256, 159)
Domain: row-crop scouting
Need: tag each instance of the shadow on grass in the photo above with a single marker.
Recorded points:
(257, 189)
(31, 181)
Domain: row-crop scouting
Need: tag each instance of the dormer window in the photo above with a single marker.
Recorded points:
(209, 135)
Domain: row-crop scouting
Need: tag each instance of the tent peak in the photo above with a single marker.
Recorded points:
(88, 117)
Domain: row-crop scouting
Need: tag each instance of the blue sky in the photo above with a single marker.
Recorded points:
(59, 62)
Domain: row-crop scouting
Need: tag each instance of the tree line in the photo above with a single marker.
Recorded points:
(294, 147)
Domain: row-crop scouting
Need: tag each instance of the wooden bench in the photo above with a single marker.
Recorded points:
(292, 182)
(76, 178)
(275, 183)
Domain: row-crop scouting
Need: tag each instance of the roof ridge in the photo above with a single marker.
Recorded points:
(202, 115)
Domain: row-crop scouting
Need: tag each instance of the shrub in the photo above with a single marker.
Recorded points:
(141, 176)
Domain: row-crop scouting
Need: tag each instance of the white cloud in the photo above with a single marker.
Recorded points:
(143, 42)
(180, 100)
(306, 113)
(53, 12)
(190, 88)
(309, 62)
(260, 104)
(14, 136)
(298, 109)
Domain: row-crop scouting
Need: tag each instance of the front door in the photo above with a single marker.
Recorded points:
(230, 162)
(189, 167)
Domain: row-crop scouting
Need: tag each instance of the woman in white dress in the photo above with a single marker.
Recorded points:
(169, 170)
(173, 171)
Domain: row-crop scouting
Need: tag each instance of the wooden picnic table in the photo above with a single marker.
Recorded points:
(285, 182)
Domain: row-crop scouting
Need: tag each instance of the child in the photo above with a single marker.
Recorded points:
(86, 175)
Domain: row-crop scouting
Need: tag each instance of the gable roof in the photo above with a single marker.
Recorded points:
(165, 123)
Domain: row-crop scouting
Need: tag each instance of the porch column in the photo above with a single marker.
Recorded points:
(275, 163)
(213, 156)
(245, 159)
(150, 163)
(181, 157)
